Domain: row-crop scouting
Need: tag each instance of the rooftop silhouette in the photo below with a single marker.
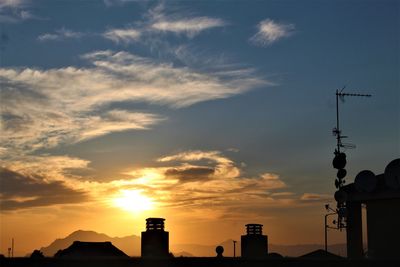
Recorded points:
(87, 250)
(381, 196)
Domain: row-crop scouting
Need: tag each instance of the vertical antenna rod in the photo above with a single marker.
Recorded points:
(337, 120)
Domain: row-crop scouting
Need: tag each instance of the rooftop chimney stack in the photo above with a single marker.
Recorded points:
(254, 245)
(155, 241)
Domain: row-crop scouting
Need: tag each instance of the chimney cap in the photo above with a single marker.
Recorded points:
(153, 219)
(254, 229)
(253, 224)
(155, 224)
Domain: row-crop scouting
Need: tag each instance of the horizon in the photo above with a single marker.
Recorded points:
(209, 114)
(228, 253)
(299, 248)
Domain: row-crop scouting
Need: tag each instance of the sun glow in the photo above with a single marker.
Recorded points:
(133, 201)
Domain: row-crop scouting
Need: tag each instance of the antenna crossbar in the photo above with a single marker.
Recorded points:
(349, 94)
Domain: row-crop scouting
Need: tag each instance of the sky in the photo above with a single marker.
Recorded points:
(211, 114)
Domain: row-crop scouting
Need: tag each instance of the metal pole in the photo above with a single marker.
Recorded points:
(326, 229)
(337, 121)
(234, 248)
(12, 250)
(326, 233)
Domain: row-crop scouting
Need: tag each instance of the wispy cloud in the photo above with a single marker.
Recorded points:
(189, 26)
(43, 108)
(270, 32)
(316, 197)
(118, 2)
(60, 34)
(158, 20)
(13, 3)
(14, 11)
(179, 22)
(122, 35)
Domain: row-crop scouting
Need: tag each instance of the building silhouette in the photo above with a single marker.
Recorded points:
(381, 196)
(254, 244)
(320, 254)
(90, 250)
(155, 241)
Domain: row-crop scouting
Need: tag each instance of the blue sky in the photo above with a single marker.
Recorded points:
(223, 95)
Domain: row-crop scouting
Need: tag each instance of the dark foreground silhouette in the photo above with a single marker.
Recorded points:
(195, 262)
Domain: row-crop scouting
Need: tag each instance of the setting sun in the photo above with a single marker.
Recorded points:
(133, 201)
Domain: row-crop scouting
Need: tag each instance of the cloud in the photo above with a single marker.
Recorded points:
(196, 155)
(122, 35)
(49, 128)
(13, 3)
(270, 32)
(179, 22)
(190, 173)
(315, 197)
(46, 168)
(14, 11)
(191, 183)
(118, 2)
(60, 34)
(188, 26)
(19, 191)
(198, 179)
(224, 166)
(272, 181)
(158, 21)
(282, 194)
(45, 108)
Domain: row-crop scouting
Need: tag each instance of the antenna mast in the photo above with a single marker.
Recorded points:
(336, 131)
(339, 161)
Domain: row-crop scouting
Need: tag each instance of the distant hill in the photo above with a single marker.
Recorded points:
(131, 246)
(128, 244)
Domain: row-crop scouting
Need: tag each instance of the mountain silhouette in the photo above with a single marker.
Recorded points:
(131, 246)
(128, 244)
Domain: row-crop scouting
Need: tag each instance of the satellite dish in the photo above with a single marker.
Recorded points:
(340, 196)
(392, 174)
(365, 181)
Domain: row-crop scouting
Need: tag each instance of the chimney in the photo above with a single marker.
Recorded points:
(254, 245)
(155, 241)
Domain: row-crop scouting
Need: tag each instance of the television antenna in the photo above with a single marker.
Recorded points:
(339, 162)
(365, 181)
(336, 131)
